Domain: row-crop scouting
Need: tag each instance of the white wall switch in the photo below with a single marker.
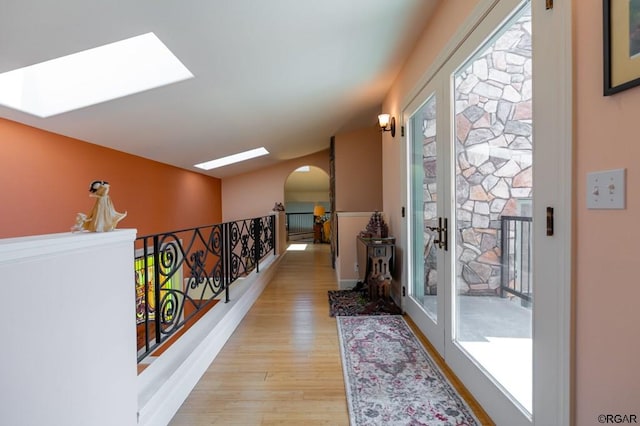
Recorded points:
(606, 190)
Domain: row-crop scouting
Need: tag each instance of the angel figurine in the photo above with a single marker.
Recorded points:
(103, 216)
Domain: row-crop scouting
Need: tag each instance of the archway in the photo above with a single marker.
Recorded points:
(305, 188)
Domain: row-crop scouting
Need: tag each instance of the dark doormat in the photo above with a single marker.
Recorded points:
(355, 302)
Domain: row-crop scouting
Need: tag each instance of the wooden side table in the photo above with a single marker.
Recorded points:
(377, 256)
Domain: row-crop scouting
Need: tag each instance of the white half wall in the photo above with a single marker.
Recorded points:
(68, 331)
(349, 226)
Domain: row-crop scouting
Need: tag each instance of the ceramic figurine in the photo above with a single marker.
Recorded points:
(103, 216)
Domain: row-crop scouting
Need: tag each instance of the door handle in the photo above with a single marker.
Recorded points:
(444, 239)
(443, 233)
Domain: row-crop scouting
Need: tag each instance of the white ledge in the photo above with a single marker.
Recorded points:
(356, 214)
(13, 249)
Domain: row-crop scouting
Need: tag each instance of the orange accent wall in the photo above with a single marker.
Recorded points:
(45, 177)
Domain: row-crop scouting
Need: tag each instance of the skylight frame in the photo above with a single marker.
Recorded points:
(232, 159)
(92, 77)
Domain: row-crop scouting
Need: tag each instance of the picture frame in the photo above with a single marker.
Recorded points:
(621, 36)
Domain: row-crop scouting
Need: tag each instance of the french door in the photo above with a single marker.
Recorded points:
(428, 213)
(470, 154)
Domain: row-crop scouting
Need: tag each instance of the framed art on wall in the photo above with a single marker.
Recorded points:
(621, 31)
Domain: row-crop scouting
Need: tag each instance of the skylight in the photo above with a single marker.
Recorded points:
(231, 159)
(91, 77)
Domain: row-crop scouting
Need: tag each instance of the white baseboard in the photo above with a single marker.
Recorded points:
(347, 284)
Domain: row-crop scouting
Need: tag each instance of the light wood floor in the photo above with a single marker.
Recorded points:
(282, 364)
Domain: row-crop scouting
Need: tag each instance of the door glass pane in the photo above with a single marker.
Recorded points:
(424, 207)
(493, 190)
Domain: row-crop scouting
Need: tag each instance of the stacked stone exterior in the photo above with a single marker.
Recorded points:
(493, 153)
(494, 145)
(430, 214)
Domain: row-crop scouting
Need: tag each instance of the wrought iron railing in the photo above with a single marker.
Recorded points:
(179, 274)
(517, 271)
(299, 223)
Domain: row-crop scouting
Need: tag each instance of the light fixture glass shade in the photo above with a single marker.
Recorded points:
(318, 211)
(383, 120)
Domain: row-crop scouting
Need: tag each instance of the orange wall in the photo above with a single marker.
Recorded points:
(44, 181)
(607, 289)
(254, 194)
(359, 170)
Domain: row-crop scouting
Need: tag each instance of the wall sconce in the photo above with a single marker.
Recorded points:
(387, 123)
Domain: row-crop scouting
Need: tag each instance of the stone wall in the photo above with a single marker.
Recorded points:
(493, 152)
(430, 214)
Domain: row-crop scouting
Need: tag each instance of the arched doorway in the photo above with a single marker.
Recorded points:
(305, 188)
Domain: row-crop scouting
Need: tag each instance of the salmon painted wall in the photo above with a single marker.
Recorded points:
(359, 170)
(607, 288)
(44, 181)
(443, 24)
(254, 194)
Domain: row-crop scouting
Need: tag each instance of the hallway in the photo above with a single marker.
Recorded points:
(282, 364)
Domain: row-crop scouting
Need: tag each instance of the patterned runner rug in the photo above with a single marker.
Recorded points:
(391, 380)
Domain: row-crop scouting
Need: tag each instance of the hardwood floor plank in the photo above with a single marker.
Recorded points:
(282, 365)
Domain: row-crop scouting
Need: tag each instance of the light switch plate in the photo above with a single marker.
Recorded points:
(606, 189)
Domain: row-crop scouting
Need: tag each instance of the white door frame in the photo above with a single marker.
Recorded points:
(552, 261)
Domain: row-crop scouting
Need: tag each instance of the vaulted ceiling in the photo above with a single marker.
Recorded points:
(283, 74)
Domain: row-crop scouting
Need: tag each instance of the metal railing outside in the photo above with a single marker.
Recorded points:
(299, 223)
(178, 274)
(517, 271)
(302, 223)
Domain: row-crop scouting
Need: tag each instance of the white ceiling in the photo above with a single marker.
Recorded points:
(283, 74)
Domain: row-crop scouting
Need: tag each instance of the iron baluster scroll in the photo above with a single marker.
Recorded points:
(180, 274)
